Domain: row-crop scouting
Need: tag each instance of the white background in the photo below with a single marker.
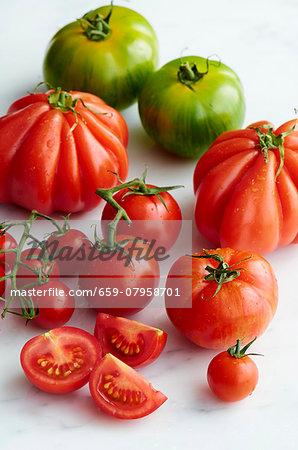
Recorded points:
(259, 40)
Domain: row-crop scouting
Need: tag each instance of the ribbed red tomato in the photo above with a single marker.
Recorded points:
(57, 148)
(246, 195)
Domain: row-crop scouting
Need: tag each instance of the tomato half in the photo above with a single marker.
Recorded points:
(134, 343)
(243, 306)
(7, 242)
(151, 220)
(118, 285)
(60, 360)
(187, 103)
(55, 152)
(113, 64)
(33, 258)
(241, 199)
(122, 392)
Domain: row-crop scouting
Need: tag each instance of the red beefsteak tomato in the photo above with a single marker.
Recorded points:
(246, 188)
(57, 148)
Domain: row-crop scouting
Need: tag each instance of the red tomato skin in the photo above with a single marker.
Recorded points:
(150, 219)
(46, 167)
(54, 309)
(234, 187)
(7, 242)
(65, 339)
(149, 340)
(242, 307)
(25, 276)
(118, 274)
(109, 366)
(2, 283)
(232, 379)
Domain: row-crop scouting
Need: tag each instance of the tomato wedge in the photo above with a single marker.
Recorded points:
(134, 343)
(122, 392)
(60, 360)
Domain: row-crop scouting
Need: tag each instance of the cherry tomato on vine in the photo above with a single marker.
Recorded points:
(134, 343)
(33, 258)
(2, 283)
(7, 242)
(60, 360)
(232, 375)
(122, 392)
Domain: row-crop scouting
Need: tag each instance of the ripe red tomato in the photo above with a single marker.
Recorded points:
(56, 305)
(2, 283)
(116, 285)
(240, 202)
(150, 219)
(33, 259)
(7, 242)
(51, 163)
(232, 378)
(60, 360)
(134, 343)
(243, 306)
(122, 392)
(70, 251)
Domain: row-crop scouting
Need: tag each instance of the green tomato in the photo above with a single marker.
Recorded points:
(187, 103)
(109, 52)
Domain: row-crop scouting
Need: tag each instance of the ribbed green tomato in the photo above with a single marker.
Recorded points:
(109, 52)
(190, 101)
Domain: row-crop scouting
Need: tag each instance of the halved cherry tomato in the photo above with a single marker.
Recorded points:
(134, 343)
(122, 392)
(33, 259)
(60, 360)
(7, 242)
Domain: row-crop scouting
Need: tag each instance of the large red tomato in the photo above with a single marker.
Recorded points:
(246, 196)
(57, 148)
(243, 306)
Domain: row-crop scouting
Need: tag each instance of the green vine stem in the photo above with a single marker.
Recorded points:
(236, 352)
(95, 26)
(221, 274)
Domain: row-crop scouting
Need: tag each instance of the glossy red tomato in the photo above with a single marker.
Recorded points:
(243, 306)
(60, 360)
(232, 378)
(33, 259)
(151, 220)
(69, 251)
(134, 343)
(55, 152)
(122, 392)
(55, 303)
(2, 283)
(243, 199)
(7, 242)
(118, 285)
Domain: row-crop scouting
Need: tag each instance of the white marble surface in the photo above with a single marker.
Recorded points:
(259, 40)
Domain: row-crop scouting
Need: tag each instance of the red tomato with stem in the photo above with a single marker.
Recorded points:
(56, 305)
(246, 188)
(232, 375)
(33, 258)
(151, 219)
(120, 391)
(134, 343)
(60, 360)
(224, 293)
(117, 284)
(2, 282)
(57, 148)
(7, 242)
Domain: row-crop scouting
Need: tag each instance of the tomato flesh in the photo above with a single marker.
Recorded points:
(122, 392)
(60, 360)
(134, 343)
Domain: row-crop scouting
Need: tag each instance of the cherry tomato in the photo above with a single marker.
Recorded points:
(7, 242)
(232, 378)
(69, 249)
(243, 306)
(134, 343)
(151, 220)
(2, 283)
(60, 360)
(56, 305)
(118, 285)
(33, 259)
(122, 392)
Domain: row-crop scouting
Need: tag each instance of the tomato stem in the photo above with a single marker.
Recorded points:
(95, 26)
(236, 352)
(189, 74)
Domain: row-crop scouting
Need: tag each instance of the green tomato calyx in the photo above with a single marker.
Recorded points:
(189, 74)
(236, 352)
(95, 26)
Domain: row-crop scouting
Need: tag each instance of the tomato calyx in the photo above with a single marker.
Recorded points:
(269, 141)
(95, 26)
(221, 274)
(237, 352)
